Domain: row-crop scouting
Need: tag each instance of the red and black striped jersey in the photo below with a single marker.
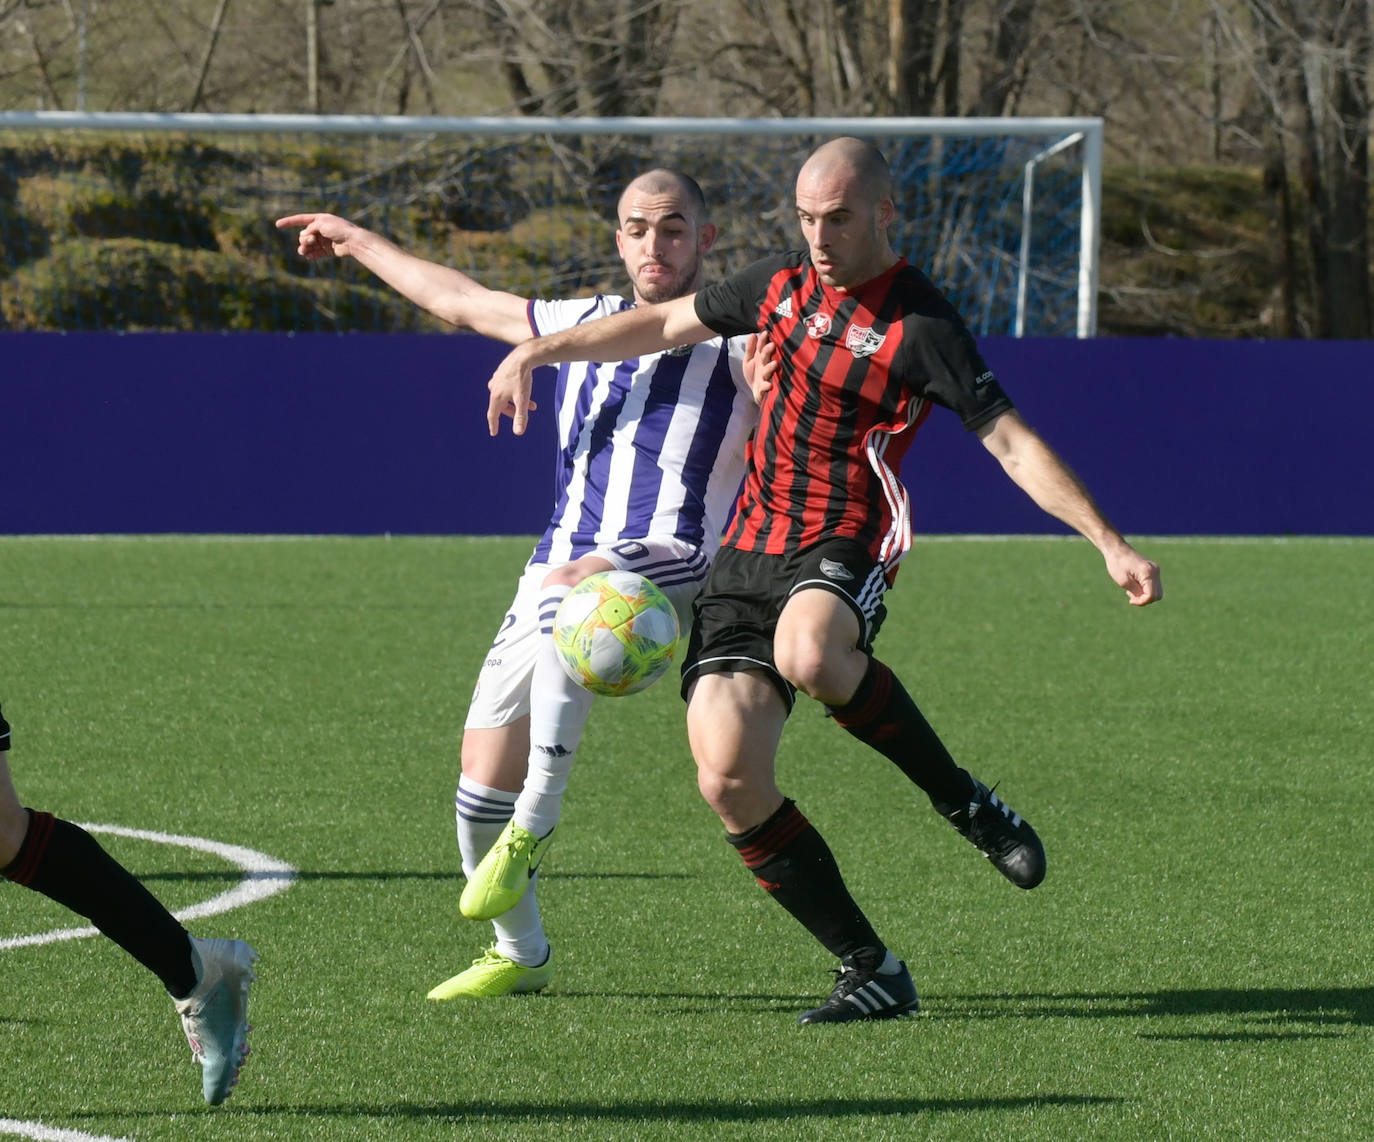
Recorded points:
(858, 372)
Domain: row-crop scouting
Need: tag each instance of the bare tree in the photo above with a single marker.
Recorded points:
(894, 57)
(792, 57)
(26, 23)
(1003, 65)
(413, 59)
(1284, 86)
(918, 56)
(216, 24)
(1309, 62)
(561, 57)
(1269, 62)
(1334, 50)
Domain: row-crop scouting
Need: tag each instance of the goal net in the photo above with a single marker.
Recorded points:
(135, 221)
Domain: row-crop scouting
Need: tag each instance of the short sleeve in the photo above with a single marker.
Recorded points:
(944, 365)
(732, 307)
(554, 316)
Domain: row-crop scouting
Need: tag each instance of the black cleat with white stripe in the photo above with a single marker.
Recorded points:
(1001, 835)
(863, 992)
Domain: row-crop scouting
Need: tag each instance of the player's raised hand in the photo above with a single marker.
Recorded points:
(322, 235)
(760, 365)
(510, 393)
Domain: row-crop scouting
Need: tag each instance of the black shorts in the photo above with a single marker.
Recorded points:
(737, 611)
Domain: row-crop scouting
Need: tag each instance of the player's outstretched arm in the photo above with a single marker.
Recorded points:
(1043, 476)
(619, 337)
(449, 295)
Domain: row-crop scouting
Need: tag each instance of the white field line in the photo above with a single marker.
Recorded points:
(265, 876)
(41, 1133)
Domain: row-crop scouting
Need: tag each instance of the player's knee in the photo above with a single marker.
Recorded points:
(714, 788)
(497, 759)
(803, 660)
(741, 794)
(731, 796)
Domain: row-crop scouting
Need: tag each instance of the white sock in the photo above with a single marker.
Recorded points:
(558, 714)
(481, 813)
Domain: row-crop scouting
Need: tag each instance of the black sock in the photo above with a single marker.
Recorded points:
(882, 715)
(795, 866)
(65, 863)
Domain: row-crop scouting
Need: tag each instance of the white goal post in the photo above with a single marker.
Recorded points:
(1004, 214)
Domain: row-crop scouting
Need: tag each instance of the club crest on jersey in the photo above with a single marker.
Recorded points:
(862, 341)
(818, 325)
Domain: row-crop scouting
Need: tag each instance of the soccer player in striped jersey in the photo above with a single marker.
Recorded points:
(865, 346)
(651, 457)
(208, 980)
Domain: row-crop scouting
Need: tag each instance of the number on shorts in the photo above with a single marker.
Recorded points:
(506, 624)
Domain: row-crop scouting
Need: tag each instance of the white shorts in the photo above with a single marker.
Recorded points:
(502, 694)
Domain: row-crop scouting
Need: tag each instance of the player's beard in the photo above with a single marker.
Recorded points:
(666, 289)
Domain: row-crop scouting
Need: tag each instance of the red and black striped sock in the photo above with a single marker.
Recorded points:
(881, 714)
(65, 863)
(794, 865)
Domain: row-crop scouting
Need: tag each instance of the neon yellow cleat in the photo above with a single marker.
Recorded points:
(498, 883)
(492, 975)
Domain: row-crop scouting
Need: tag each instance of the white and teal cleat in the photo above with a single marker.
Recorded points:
(215, 1015)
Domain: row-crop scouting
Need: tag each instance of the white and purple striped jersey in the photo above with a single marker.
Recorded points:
(652, 447)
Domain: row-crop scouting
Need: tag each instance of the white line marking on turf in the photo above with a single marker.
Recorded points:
(41, 1133)
(266, 876)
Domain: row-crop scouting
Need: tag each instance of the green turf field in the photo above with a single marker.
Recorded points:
(1199, 963)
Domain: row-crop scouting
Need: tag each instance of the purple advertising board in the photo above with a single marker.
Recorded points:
(372, 434)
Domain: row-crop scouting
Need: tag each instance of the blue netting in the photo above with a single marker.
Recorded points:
(120, 230)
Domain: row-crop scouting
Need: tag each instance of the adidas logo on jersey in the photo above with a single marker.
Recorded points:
(784, 307)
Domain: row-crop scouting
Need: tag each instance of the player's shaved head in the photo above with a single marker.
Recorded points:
(662, 234)
(847, 160)
(844, 205)
(663, 181)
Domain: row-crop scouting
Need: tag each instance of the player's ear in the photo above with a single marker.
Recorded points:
(706, 236)
(887, 211)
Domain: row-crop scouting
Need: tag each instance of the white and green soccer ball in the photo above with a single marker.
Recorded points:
(616, 633)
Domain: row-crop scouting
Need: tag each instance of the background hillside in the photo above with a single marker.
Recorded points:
(1236, 132)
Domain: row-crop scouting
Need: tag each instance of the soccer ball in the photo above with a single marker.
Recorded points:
(615, 633)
